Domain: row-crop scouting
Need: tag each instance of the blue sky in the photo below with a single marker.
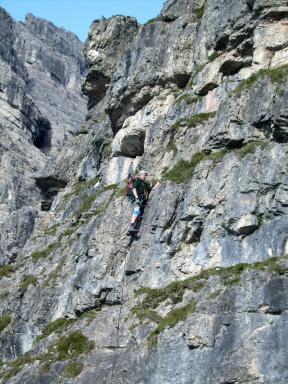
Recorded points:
(77, 15)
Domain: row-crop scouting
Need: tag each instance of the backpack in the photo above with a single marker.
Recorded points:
(130, 185)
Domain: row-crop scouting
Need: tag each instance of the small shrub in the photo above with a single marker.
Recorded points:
(5, 320)
(6, 270)
(28, 280)
(73, 345)
(45, 252)
(73, 369)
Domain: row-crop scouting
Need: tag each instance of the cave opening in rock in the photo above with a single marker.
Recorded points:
(42, 138)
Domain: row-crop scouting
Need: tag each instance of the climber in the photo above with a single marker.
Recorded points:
(139, 196)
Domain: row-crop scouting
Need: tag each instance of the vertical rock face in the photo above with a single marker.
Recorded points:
(198, 97)
(41, 106)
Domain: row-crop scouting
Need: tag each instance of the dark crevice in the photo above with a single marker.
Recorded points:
(49, 187)
(42, 138)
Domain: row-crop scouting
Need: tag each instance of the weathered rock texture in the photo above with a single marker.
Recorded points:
(41, 106)
(198, 97)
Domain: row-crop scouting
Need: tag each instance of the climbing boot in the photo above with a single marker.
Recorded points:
(132, 230)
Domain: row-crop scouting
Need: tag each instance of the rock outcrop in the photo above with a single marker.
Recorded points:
(198, 97)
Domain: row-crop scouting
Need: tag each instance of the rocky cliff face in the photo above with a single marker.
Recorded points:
(41, 106)
(198, 97)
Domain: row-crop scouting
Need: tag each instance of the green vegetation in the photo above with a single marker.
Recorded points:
(150, 21)
(89, 315)
(184, 170)
(214, 295)
(73, 345)
(44, 252)
(174, 293)
(28, 280)
(189, 99)
(56, 326)
(53, 275)
(110, 187)
(73, 369)
(200, 12)
(86, 204)
(194, 120)
(6, 270)
(276, 75)
(82, 186)
(5, 320)
(17, 365)
(52, 231)
(214, 55)
(197, 70)
(170, 320)
(251, 148)
(121, 192)
(106, 151)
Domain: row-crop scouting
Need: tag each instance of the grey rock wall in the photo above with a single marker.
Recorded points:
(199, 99)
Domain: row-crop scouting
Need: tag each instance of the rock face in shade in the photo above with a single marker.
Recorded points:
(197, 97)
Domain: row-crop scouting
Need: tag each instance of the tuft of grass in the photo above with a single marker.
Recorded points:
(86, 204)
(5, 320)
(170, 320)
(121, 192)
(184, 170)
(189, 99)
(175, 290)
(251, 148)
(194, 120)
(276, 75)
(146, 314)
(214, 55)
(193, 76)
(56, 326)
(73, 369)
(110, 187)
(106, 151)
(150, 21)
(27, 281)
(82, 186)
(6, 270)
(17, 365)
(214, 295)
(44, 252)
(73, 345)
(200, 13)
(53, 275)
